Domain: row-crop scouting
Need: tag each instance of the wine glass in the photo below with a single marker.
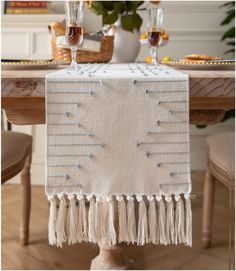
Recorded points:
(74, 27)
(155, 23)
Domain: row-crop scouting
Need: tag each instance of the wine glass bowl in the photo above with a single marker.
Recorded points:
(154, 37)
(74, 35)
(74, 27)
(155, 23)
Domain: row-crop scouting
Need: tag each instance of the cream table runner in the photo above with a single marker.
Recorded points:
(118, 139)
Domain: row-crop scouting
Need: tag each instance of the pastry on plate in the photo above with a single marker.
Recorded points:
(201, 57)
(192, 61)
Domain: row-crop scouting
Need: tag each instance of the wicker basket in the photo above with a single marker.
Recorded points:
(105, 54)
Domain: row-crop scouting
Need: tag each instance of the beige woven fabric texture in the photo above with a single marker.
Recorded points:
(116, 129)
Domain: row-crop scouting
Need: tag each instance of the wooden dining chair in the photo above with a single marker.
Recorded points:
(220, 167)
(16, 158)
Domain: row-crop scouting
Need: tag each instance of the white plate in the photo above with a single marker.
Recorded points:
(182, 65)
(30, 65)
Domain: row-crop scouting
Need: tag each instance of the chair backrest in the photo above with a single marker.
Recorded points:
(5, 121)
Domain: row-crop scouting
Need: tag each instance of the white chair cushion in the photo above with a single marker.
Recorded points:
(222, 151)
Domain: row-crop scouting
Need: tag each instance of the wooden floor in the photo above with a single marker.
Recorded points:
(39, 255)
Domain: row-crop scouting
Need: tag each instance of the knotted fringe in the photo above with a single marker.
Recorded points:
(131, 225)
(99, 221)
(142, 223)
(111, 234)
(170, 227)
(152, 220)
(91, 220)
(179, 221)
(82, 220)
(188, 220)
(52, 238)
(122, 219)
(164, 220)
(72, 222)
(61, 218)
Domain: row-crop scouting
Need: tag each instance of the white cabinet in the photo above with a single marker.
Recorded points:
(27, 36)
(11, 40)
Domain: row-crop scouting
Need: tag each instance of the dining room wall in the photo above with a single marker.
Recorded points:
(194, 27)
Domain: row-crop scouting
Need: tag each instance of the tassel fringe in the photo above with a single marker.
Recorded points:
(122, 213)
(111, 235)
(170, 230)
(52, 238)
(82, 220)
(188, 220)
(131, 225)
(72, 222)
(142, 223)
(179, 221)
(91, 220)
(99, 220)
(160, 220)
(60, 225)
(152, 220)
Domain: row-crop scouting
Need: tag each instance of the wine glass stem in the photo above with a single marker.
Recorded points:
(153, 52)
(73, 50)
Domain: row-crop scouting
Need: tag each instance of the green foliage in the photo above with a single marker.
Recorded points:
(127, 10)
(229, 35)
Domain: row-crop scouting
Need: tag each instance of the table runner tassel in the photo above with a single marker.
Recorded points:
(60, 226)
(188, 220)
(52, 238)
(99, 221)
(170, 227)
(152, 219)
(111, 235)
(82, 220)
(162, 220)
(72, 221)
(131, 221)
(142, 223)
(179, 221)
(122, 214)
(91, 220)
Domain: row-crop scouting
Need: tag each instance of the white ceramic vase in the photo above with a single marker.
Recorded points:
(126, 44)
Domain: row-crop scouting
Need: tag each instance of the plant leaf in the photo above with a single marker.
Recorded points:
(137, 21)
(230, 4)
(119, 7)
(229, 51)
(109, 5)
(127, 22)
(229, 18)
(131, 21)
(97, 7)
(229, 33)
(232, 43)
(110, 18)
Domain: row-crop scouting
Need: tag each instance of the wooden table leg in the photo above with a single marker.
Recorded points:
(25, 202)
(111, 257)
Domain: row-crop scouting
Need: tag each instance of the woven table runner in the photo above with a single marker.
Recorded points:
(118, 143)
